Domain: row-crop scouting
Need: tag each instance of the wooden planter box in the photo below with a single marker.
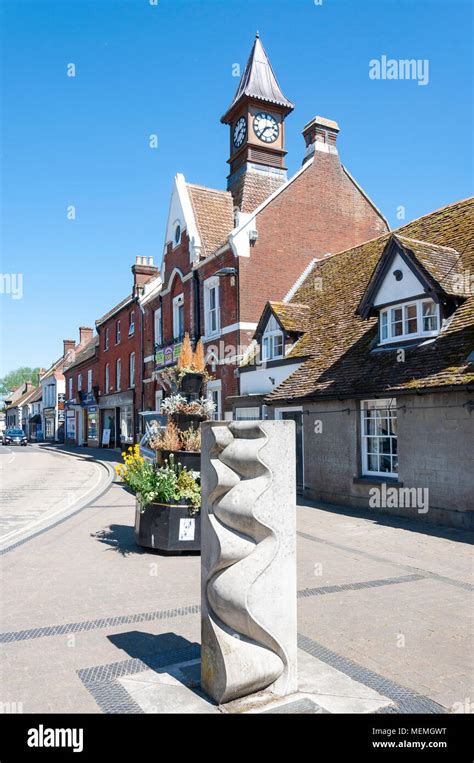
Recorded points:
(169, 528)
(191, 459)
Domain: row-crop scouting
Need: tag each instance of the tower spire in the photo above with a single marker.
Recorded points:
(258, 81)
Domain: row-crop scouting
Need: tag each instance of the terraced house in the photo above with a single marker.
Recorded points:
(372, 354)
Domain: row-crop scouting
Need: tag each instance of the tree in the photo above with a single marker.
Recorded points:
(16, 378)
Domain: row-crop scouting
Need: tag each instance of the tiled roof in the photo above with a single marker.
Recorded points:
(37, 395)
(340, 343)
(86, 353)
(293, 316)
(123, 303)
(259, 81)
(24, 398)
(442, 263)
(214, 214)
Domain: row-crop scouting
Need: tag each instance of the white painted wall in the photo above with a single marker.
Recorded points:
(258, 381)
(394, 291)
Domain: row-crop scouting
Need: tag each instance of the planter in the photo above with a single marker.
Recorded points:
(169, 528)
(191, 384)
(187, 420)
(191, 459)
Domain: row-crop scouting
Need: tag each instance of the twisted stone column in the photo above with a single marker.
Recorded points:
(248, 558)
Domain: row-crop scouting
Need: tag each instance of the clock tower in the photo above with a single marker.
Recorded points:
(256, 119)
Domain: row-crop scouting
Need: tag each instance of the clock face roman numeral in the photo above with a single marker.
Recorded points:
(240, 131)
(266, 127)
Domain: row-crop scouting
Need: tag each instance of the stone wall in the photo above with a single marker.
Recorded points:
(436, 452)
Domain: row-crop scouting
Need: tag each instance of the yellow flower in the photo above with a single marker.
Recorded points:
(130, 448)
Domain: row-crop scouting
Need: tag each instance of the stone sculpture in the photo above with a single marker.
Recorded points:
(248, 567)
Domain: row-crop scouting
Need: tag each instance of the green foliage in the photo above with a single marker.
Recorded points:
(16, 378)
(168, 484)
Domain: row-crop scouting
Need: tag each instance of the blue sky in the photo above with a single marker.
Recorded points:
(167, 69)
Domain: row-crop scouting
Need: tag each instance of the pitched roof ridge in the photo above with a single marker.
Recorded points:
(424, 241)
(210, 190)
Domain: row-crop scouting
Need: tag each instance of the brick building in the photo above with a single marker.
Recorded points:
(82, 392)
(120, 362)
(227, 252)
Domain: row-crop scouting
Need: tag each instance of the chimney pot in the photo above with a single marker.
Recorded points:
(68, 345)
(85, 333)
(320, 134)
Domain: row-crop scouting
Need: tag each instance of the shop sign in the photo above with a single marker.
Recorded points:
(61, 405)
(167, 356)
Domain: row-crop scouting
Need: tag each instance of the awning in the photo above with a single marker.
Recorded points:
(36, 419)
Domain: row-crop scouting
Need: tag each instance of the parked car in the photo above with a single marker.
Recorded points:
(155, 422)
(15, 437)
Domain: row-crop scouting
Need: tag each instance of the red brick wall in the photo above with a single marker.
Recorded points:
(321, 211)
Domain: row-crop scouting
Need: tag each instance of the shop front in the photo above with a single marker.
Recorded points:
(49, 415)
(117, 420)
(35, 428)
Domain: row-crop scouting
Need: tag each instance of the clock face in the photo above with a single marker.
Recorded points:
(240, 131)
(266, 127)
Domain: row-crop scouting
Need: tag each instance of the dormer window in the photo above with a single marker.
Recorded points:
(272, 341)
(410, 320)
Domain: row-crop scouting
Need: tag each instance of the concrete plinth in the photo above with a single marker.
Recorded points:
(321, 689)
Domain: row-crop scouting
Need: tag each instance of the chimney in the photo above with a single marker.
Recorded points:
(85, 334)
(320, 134)
(68, 345)
(143, 272)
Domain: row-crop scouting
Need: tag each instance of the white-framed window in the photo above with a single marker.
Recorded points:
(107, 377)
(211, 306)
(106, 339)
(132, 369)
(247, 414)
(409, 320)
(177, 234)
(379, 437)
(157, 325)
(70, 388)
(118, 374)
(79, 382)
(214, 393)
(178, 316)
(131, 324)
(272, 341)
(117, 332)
(89, 380)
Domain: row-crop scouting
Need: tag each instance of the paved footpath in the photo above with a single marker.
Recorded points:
(386, 601)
